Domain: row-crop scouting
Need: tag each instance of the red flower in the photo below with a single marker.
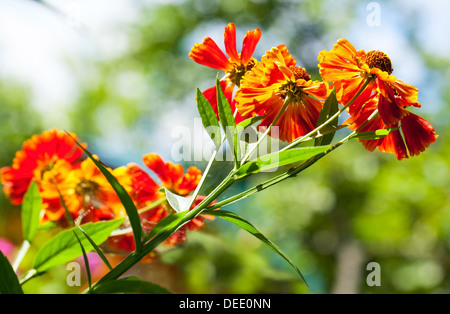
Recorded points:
(151, 202)
(45, 159)
(235, 65)
(349, 69)
(264, 90)
(413, 136)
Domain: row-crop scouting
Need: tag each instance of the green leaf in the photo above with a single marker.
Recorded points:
(228, 123)
(64, 246)
(373, 135)
(31, 209)
(129, 285)
(278, 159)
(167, 224)
(125, 199)
(9, 283)
(247, 122)
(209, 118)
(177, 202)
(329, 109)
(96, 248)
(247, 226)
(86, 260)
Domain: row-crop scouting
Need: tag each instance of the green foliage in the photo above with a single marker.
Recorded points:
(247, 226)
(31, 210)
(329, 109)
(209, 118)
(9, 284)
(64, 247)
(130, 285)
(278, 159)
(397, 212)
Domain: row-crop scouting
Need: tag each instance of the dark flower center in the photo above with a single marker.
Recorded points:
(291, 88)
(300, 73)
(239, 71)
(379, 60)
(86, 187)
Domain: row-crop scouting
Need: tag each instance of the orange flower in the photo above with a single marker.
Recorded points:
(348, 69)
(264, 90)
(174, 179)
(88, 194)
(145, 192)
(172, 175)
(235, 66)
(413, 136)
(44, 158)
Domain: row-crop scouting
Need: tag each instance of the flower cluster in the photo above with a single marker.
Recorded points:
(68, 180)
(276, 90)
(286, 96)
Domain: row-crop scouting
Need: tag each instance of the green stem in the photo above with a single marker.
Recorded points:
(135, 257)
(280, 113)
(152, 205)
(337, 114)
(291, 172)
(21, 254)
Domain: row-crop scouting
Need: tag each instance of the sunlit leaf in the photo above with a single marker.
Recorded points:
(167, 224)
(247, 122)
(209, 118)
(330, 108)
(31, 209)
(64, 246)
(125, 199)
(177, 202)
(96, 247)
(278, 159)
(228, 123)
(373, 135)
(86, 260)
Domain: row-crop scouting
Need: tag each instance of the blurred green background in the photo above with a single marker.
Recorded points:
(116, 73)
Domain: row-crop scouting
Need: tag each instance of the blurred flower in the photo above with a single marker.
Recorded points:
(152, 204)
(264, 90)
(46, 159)
(172, 175)
(37, 161)
(235, 66)
(89, 196)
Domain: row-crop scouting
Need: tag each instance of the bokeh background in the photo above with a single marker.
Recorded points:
(116, 73)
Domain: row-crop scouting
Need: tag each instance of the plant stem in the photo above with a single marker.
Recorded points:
(135, 257)
(21, 254)
(280, 113)
(337, 114)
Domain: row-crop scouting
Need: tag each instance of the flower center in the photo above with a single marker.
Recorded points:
(86, 187)
(47, 167)
(239, 71)
(300, 73)
(291, 88)
(379, 60)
